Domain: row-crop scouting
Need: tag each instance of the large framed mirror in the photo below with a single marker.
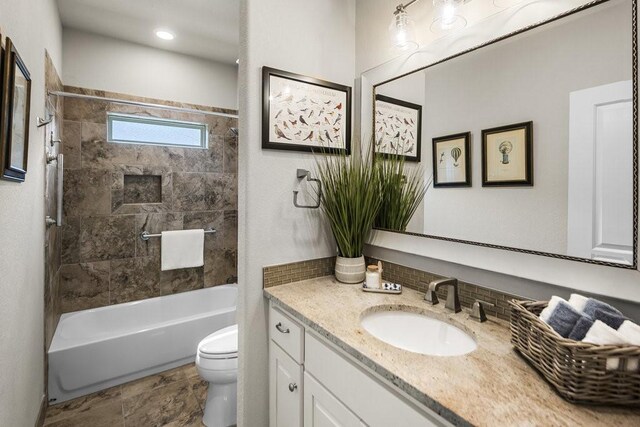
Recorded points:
(549, 117)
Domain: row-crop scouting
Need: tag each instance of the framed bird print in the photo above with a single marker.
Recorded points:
(303, 113)
(507, 155)
(398, 128)
(452, 160)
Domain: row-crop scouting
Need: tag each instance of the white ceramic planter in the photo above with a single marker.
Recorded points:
(350, 270)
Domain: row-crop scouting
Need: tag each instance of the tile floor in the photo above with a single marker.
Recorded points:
(172, 398)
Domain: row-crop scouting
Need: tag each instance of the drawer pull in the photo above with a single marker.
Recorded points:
(293, 387)
(281, 329)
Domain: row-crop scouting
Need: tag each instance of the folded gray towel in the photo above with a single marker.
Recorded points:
(581, 328)
(613, 320)
(592, 305)
(563, 318)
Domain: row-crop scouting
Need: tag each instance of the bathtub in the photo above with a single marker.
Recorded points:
(99, 348)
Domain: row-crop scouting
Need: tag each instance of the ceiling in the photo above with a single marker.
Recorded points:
(203, 28)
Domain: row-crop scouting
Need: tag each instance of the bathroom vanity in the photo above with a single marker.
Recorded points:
(326, 369)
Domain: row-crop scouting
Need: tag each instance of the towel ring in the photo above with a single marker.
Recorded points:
(301, 174)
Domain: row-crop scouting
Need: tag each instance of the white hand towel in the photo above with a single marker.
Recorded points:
(182, 249)
(578, 302)
(631, 332)
(548, 310)
(602, 334)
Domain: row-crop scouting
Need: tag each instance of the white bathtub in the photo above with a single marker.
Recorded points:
(99, 348)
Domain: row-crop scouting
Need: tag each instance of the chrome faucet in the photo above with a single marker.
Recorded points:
(453, 301)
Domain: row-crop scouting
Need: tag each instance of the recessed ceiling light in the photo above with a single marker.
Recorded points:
(165, 35)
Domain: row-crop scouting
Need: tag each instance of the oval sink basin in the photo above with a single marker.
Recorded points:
(418, 333)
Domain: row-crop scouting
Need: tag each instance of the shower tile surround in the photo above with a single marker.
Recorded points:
(114, 191)
(406, 276)
(53, 235)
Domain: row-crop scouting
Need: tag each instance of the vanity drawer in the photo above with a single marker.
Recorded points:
(287, 333)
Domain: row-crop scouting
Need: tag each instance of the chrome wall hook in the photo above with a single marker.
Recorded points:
(301, 174)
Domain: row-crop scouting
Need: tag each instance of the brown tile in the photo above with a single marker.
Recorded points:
(190, 371)
(72, 132)
(121, 206)
(231, 154)
(155, 223)
(108, 414)
(82, 405)
(176, 281)
(84, 110)
(174, 404)
(104, 238)
(142, 189)
(87, 192)
(199, 388)
(84, 286)
(206, 220)
(220, 267)
(231, 229)
(189, 192)
(147, 384)
(70, 248)
(134, 279)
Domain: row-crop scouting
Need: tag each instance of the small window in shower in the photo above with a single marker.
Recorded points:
(130, 129)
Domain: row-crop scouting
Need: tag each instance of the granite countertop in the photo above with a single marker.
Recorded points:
(490, 386)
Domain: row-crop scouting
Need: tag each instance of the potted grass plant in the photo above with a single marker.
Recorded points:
(351, 200)
(403, 189)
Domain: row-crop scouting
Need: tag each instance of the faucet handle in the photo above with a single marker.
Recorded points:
(430, 294)
(477, 311)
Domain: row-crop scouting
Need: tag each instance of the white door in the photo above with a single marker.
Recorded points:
(285, 389)
(600, 209)
(323, 409)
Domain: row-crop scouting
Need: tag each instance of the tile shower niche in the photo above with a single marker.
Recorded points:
(142, 189)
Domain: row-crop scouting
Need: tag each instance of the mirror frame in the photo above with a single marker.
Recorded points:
(634, 43)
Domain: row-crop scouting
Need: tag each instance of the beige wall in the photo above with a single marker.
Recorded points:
(105, 63)
(315, 38)
(34, 26)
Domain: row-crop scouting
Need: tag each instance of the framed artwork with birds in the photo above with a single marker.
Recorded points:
(303, 113)
(507, 155)
(398, 128)
(452, 160)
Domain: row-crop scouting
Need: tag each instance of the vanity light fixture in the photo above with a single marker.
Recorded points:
(446, 18)
(165, 35)
(402, 28)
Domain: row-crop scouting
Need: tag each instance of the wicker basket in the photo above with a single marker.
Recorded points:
(577, 370)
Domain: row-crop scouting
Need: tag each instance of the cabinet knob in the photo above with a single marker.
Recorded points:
(293, 387)
(281, 329)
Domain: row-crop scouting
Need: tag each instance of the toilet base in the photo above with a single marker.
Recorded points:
(220, 409)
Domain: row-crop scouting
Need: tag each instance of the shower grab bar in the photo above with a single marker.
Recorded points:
(146, 236)
(60, 195)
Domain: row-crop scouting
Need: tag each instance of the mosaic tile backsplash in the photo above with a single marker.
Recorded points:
(114, 191)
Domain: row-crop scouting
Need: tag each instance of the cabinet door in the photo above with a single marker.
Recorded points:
(285, 389)
(323, 409)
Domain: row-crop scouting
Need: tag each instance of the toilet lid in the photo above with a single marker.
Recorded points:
(220, 344)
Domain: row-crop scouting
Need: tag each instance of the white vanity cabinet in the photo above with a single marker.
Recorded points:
(313, 383)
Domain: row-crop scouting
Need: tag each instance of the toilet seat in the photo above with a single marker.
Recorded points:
(222, 344)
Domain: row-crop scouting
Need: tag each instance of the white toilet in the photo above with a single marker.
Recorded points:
(217, 363)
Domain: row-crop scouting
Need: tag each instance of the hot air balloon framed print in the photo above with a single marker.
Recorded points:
(303, 113)
(452, 160)
(507, 155)
(398, 128)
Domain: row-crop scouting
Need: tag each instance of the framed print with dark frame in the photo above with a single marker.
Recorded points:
(398, 128)
(14, 123)
(303, 113)
(452, 160)
(507, 155)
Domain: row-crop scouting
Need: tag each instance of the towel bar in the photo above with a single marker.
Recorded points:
(146, 236)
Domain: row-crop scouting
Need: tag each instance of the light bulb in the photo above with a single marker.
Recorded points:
(164, 35)
(401, 30)
(446, 16)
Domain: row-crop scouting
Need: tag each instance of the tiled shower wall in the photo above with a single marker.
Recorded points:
(113, 192)
(53, 239)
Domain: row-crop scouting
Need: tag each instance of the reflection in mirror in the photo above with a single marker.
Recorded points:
(557, 99)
